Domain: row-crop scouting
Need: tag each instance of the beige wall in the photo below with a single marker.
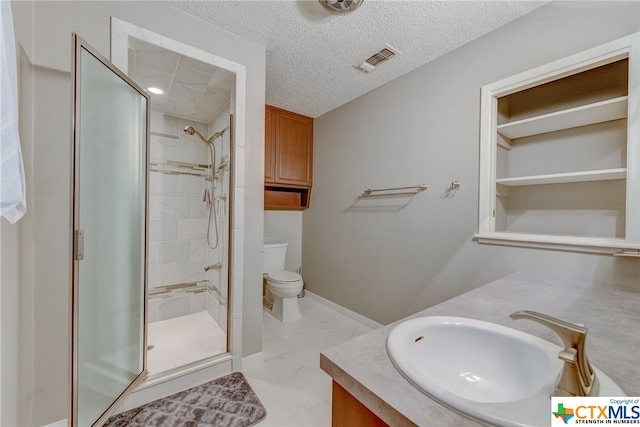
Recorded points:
(8, 322)
(286, 226)
(10, 297)
(11, 323)
(43, 29)
(424, 128)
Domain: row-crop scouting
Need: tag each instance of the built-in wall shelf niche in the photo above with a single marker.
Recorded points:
(560, 154)
(286, 198)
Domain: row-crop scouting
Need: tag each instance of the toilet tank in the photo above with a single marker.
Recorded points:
(273, 256)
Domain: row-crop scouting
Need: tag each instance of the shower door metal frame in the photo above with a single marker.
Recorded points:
(76, 255)
(230, 234)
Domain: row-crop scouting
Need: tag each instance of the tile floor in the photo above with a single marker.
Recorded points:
(290, 383)
(197, 332)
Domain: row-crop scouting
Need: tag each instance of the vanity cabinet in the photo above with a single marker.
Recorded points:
(560, 154)
(288, 159)
(347, 411)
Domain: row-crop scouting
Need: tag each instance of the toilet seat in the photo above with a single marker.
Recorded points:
(284, 277)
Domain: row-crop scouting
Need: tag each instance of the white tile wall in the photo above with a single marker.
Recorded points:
(174, 252)
(193, 229)
(163, 230)
(198, 302)
(163, 185)
(174, 307)
(178, 301)
(217, 309)
(240, 168)
(192, 271)
(192, 186)
(198, 210)
(213, 307)
(199, 250)
(178, 250)
(162, 275)
(172, 207)
(169, 148)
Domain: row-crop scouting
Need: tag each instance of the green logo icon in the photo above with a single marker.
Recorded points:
(565, 413)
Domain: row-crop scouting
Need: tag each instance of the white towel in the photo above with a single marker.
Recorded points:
(12, 184)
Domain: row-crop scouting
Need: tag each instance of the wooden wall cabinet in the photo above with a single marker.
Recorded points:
(288, 168)
(560, 154)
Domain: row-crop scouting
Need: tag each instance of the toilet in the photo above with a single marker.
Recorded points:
(283, 286)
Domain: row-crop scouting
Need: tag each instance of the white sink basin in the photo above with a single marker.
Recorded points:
(492, 373)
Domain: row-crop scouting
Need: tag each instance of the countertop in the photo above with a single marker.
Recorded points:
(612, 315)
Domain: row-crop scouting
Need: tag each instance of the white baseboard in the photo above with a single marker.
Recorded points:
(61, 423)
(345, 311)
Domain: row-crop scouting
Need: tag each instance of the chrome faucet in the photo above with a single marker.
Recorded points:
(216, 266)
(577, 377)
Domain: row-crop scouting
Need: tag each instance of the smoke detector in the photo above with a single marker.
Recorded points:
(341, 6)
(383, 55)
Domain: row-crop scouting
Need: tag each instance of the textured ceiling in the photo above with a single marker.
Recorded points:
(311, 53)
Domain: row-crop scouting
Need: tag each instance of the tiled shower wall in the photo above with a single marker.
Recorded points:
(178, 251)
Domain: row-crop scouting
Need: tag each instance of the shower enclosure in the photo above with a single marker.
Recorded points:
(153, 196)
(189, 230)
(193, 104)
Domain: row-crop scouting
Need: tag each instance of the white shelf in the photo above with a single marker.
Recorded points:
(604, 111)
(563, 178)
(628, 253)
(609, 245)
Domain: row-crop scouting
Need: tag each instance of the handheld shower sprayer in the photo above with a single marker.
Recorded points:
(190, 130)
(213, 214)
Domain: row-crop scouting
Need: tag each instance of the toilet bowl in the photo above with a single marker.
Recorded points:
(284, 287)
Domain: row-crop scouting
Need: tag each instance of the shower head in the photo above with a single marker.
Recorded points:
(190, 130)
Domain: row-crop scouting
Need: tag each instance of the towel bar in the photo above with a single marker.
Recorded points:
(397, 191)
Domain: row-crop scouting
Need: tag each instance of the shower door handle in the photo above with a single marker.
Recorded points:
(79, 245)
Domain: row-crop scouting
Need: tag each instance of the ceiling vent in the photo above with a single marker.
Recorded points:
(341, 6)
(383, 55)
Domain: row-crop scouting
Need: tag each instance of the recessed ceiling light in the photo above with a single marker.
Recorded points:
(155, 90)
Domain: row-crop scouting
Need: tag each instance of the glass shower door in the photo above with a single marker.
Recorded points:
(109, 237)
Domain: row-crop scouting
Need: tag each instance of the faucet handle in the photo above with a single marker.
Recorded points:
(573, 338)
(556, 325)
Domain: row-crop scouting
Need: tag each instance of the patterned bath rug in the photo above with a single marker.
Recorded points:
(226, 402)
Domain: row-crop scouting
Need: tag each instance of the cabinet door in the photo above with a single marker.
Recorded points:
(294, 147)
(269, 145)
